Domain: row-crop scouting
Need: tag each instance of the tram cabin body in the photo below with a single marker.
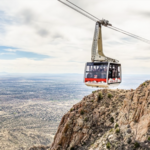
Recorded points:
(102, 74)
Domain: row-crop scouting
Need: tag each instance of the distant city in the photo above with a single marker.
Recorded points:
(31, 107)
(46, 87)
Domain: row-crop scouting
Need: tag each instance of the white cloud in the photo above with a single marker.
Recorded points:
(10, 50)
(6, 53)
(50, 28)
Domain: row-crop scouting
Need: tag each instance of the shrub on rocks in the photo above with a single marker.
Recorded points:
(136, 145)
(111, 130)
(112, 120)
(72, 148)
(82, 112)
(110, 95)
(71, 109)
(108, 145)
(116, 126)
(144, 84)
(117, 131)
(86, 119)
(100, 96)
(148, 138)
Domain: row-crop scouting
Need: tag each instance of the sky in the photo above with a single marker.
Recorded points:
(45, 36)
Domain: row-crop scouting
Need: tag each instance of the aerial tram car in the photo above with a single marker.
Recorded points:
(102, 71)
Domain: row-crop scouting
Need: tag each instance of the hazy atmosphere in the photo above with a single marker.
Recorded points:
(41, 36)
(44, 101)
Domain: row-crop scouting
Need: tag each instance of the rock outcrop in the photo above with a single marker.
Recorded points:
(40, 148)
(107, 119)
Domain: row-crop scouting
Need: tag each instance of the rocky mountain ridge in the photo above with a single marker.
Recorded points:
(107, 119)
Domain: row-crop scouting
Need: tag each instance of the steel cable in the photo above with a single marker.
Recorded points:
(83, 10)
(128, 33)
(92, 17)
(77, 11)
(131, 35)
(112, 27)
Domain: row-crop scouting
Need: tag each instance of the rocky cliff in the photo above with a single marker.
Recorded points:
(107, 119)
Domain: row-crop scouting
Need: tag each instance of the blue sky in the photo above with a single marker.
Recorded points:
(41, 36)
(11, 53)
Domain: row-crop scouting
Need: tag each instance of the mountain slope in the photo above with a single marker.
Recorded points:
(107, 119)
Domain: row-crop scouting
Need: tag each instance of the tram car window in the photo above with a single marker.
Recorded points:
(96, 72)
(114, 75)
(100, 73)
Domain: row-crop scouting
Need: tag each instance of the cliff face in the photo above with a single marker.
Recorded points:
(107, 119)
